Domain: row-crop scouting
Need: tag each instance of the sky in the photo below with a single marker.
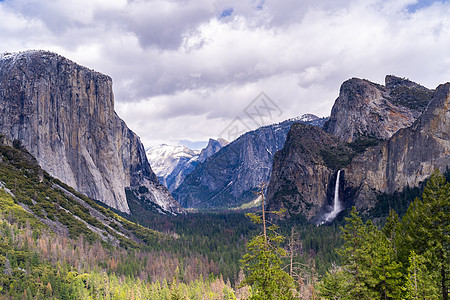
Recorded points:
(185, 71)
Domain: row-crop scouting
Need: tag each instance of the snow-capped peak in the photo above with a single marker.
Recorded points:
(305, 118)
(172, 163)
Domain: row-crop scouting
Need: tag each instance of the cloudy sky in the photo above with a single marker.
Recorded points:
(187, 70)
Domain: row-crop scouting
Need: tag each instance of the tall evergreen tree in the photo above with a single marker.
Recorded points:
(262, 262)
(369, 269)
(426, 229)
(420, 284)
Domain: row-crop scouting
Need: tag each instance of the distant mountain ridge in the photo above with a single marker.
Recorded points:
(63, 114)
(229, 177)
(173, 163)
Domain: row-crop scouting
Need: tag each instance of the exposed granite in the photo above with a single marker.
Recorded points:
(366, 109)
(63, 114)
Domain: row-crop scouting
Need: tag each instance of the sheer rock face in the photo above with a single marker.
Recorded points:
(304, 170)
(64, 115)
(408, 157)
(366, 109)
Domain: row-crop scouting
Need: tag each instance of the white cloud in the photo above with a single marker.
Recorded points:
(183, 73)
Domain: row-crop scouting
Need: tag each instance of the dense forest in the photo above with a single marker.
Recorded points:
(217, 255)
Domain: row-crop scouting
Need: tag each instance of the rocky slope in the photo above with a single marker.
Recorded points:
(35, 198)
(305, 169)
(63, 114)
(365, 109)
(415, 129)
(173, 163)
(408, 158)
(229, 177)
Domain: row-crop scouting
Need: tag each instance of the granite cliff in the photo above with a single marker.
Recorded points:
(63, 114)
(408, 157)
(365, 109)
(383, 138)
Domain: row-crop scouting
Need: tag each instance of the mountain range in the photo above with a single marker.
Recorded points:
(229, 177)
(383, 138)
(173, 163)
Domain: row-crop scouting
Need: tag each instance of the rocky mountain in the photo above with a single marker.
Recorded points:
(303, 170)
(212, 148)
(173, 163)
(382, 138)
(365, 109)
(407, 158)
(63, 114)
(229, 177)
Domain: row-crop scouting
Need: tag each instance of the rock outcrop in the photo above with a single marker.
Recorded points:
(407, 158)
(303, 170)
(365, 109)
(384, 139)
(63, 114)
(212, 148)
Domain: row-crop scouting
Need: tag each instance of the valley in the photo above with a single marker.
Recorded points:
(87, 212)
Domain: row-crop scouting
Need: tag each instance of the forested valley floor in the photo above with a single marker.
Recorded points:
(385, 254)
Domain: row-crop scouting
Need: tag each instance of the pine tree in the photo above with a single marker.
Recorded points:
(369, 269)
(426, 229)
(420, 284)
(262, 262)
(355, 258)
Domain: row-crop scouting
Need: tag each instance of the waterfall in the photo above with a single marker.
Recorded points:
(336, 203)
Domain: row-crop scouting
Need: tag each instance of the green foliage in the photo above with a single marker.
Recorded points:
(398, 201)
(407, 259)
(262, 263)
(419, 281)
(60, 268)
(425, 229)
(362, 143)
(337, 157)
(369, 269)
(411, 97)
(49, 198)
